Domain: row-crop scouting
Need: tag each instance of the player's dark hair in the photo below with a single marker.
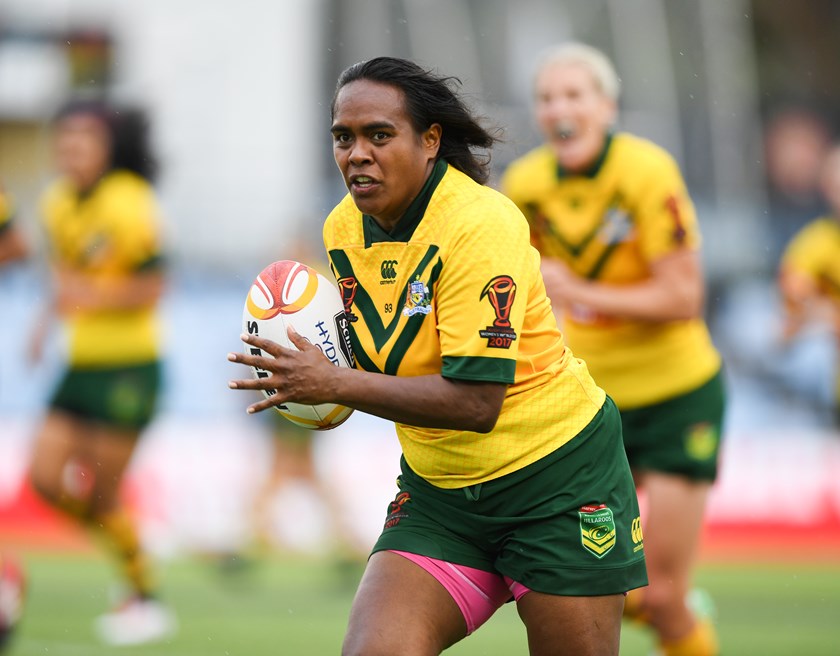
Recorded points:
(431, 98)
(129, 131)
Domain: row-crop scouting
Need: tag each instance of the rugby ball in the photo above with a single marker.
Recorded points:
(12, 595)
(289, 293)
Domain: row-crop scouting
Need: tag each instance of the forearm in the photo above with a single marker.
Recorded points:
(12, 246)
(79, 292)
(644, 301)
(427, 401)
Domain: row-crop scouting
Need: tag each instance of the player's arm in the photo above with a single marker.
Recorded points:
(804, 302)
(12, 244)
(674, 290)
(78, 291)
(306, 376)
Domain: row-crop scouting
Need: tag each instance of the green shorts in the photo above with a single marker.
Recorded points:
(123, 397)
(678, 436)
(567, 524)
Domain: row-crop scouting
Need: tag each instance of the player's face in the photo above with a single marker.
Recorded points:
(573, 113)
(82, 148)
(383, 160)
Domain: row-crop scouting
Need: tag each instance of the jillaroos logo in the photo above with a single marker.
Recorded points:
(597, 529)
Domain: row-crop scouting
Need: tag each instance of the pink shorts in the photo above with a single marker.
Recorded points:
(478, 594)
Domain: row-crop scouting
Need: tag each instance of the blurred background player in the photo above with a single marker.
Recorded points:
(809, 277)
(620, 257)
(13, 245)
(796, 141)
(103, 234)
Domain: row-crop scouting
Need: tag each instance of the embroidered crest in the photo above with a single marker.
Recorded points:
(501, 292)
(417, 299)
(597, 529)
(396, 509)
(701, 441)
(347, 286)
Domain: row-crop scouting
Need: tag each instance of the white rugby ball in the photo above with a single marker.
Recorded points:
(288, 293)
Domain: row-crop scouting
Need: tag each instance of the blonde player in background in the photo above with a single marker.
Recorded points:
(809, 276)
(620, 247)
(104, 238)
(514, 484)
(13, 246)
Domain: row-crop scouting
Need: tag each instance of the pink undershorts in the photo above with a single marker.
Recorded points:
(478, 594)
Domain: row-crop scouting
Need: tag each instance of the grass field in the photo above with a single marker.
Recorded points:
(294, 607)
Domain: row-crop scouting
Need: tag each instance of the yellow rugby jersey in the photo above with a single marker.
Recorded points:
(455, 289)
(608, 225)
(110, 232)
(815, 252)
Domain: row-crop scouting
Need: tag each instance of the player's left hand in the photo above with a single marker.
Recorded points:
(300, 376)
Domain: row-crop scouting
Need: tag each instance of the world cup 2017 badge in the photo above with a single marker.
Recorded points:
(417, 300)
(500, 292)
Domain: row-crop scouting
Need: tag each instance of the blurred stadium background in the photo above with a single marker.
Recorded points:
(239, 98)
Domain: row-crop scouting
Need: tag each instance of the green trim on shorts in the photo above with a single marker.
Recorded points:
(567, 524)
(123, 397)
(678, 436)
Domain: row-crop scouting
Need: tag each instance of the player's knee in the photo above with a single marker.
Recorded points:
(661, 598)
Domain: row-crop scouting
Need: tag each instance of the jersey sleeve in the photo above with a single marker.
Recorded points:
(482, 293)
(136, 230)
(666, 218)
(804, 253)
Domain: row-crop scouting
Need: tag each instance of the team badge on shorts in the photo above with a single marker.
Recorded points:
(701, 441)
(597, 529)
(396, 509)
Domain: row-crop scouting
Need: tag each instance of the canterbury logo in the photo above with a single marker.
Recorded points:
(388, 268)
(636, 531)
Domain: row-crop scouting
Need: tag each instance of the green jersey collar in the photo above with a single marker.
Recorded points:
(413, 215)
(595, 168)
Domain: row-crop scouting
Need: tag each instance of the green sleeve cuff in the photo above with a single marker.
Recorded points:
(490, 370)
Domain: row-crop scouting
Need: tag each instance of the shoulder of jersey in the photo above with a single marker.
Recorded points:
(477, 205)
(343, 224)
(125, 182)
(643, 152)
(537, 164)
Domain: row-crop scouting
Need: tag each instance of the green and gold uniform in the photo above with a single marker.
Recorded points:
(455, 289)
(110, 232)
(815, 252)
(608, 225)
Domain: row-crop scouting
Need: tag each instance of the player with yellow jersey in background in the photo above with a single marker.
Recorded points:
(620, 244)
(809, 276)
(514, 484)
(103, 232)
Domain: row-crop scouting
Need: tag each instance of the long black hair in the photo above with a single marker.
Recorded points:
(431, 98)
(128, 128)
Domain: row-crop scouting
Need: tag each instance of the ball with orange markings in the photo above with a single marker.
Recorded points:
(289, 293)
